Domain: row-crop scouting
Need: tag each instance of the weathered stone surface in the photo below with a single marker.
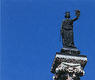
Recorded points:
(59, 58)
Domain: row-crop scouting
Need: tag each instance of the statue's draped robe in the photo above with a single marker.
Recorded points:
(67, 33)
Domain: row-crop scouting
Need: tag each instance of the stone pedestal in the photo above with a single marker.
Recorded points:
(68, 66)
(73, 51)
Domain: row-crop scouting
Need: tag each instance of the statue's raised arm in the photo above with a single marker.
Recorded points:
(77, 12)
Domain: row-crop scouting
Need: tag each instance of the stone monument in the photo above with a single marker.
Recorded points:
(68, 63)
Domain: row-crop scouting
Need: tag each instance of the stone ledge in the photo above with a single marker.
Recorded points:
(59, 58)
(73, 51)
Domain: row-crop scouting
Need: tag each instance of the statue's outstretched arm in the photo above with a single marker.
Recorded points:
(75, 19)
(77, 12)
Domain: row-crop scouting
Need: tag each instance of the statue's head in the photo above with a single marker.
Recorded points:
(67, 15)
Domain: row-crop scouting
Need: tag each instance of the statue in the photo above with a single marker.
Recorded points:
(67, 30)
(68, 64)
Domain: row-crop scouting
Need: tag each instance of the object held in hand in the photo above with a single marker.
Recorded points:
(77, 12)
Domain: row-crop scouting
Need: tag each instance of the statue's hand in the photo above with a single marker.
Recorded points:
(77, 12)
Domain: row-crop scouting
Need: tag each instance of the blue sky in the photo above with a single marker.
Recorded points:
(30, 36)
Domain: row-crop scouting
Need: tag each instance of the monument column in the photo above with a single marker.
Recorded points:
(68, 63)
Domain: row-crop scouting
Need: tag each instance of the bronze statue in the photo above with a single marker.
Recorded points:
(67, 30)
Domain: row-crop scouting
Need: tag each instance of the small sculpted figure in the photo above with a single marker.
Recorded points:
(67, 30)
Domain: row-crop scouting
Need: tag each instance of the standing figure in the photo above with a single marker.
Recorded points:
(67, 30)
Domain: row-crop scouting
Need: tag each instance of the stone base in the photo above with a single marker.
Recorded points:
(68, 67)
(68, 59)
(72, 51)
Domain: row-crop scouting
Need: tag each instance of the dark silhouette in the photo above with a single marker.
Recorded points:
(67, 30)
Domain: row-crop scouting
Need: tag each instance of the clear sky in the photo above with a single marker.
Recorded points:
(30, 36)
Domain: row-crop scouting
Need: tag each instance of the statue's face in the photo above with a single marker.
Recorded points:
(67, 15)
